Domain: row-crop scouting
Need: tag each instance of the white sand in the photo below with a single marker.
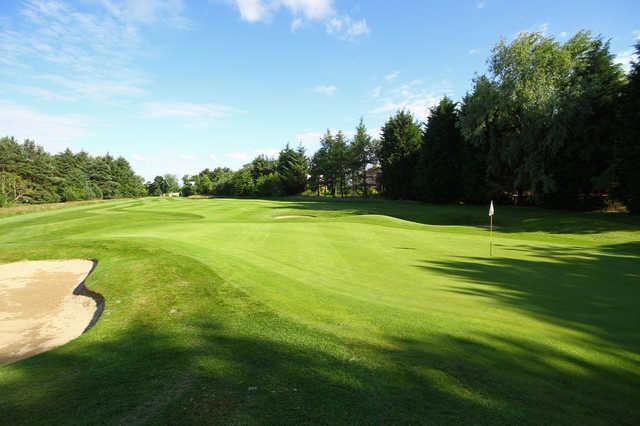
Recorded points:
(38, 310)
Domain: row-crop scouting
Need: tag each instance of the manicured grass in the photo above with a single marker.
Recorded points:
(368, 312)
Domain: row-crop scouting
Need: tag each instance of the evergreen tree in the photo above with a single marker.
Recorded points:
(293, 169)
(362, 155)
(629, 151)
(398, 155)
(441, 155)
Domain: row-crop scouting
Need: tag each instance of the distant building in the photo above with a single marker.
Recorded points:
(373, 178)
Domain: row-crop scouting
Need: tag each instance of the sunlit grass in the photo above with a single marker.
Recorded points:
(367, 312)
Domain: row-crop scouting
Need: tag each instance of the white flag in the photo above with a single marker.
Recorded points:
(491, 211)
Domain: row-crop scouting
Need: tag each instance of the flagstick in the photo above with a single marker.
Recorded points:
(491, 235)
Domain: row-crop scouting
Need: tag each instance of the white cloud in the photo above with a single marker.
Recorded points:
(308, 137)
(268, 152)
(54, 131)
(392, 76)
(563, 34)
(347, 28)
(636, 34)
(148, 11)
(473, 51)
(414, 97)
(87, 52)
(481, 4)
(625, 58)
(213, 157)
(240, 156)
(311, 139)
(296, 24)
(41, 93)
(542, 28)
(340, 25)
(252, 10)
(328, 90)
(192, 114)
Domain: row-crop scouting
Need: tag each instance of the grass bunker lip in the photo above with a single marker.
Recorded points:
(40, 308)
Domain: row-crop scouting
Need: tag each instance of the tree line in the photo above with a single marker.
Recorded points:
(551, 124)
(264, 176)
(29, 174)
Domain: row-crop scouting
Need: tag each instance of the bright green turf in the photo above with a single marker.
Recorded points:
(369, 312)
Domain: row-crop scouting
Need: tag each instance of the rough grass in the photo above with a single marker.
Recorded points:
(367, 313)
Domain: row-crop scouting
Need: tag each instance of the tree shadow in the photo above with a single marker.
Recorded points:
(229, 360)
(596, 292)
(146, 375)
(207, 366)
(508, 218)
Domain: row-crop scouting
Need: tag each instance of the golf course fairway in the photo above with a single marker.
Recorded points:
(232, 311)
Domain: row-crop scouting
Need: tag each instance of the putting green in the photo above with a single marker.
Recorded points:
(360, 312)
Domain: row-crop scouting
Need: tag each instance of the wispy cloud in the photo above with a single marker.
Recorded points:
(625, 58)
(338, 24)
(542, 28)
(239, 156)
(191, 114)
(311, 138)
(328, 90)
(392, 76)
(414, 97)
(347, 28)
(474, 51)
(169, 12)
(481, 4)
(268, 152)
(95, 45)
(54, 131)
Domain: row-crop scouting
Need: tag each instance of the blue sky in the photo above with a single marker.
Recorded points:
(176, 86)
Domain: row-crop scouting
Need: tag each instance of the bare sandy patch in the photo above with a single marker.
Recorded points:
(38, 308)
(294, 216)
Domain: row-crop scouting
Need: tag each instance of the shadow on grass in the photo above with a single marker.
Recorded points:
(507, 219)
(145, 376)
(597, 292)
(206, 365)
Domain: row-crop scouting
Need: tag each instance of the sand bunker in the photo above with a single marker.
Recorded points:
(294, 216)
(38, 308)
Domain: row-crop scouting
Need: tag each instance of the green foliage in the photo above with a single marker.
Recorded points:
(292, 169)
(441, 156)
(361, 154)
(28, 174)
(629, 134)
(398, 155)
(269, 185)
(545, 120)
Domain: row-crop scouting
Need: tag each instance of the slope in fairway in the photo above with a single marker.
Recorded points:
(242, 312)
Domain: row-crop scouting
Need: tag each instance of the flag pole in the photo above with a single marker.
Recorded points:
(491, 213)
(491, 235)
